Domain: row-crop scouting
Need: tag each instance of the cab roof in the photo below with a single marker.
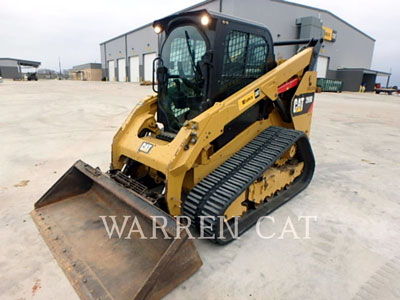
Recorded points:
(191, 15)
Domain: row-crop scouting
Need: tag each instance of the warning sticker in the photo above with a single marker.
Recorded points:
(249, 98)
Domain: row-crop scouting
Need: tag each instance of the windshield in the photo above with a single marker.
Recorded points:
(183, 90)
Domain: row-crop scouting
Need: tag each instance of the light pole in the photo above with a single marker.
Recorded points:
(59, 65)
(388, 79)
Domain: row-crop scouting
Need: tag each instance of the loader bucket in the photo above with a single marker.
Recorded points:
(99, 267)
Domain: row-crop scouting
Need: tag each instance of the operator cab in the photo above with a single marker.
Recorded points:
(204, 57)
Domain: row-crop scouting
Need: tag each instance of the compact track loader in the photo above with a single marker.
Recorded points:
(225, 137)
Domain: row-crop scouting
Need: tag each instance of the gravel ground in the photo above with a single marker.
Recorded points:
(353, 249)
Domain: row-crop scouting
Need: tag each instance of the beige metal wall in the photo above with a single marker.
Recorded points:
(86, 75)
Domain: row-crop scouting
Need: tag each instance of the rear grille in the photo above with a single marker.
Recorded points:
(128, 182)
(166, 136)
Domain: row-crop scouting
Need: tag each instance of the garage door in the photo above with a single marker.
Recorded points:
(121, 70)
(134, 68)
(322, 66)
(148, 66)
(111, 70)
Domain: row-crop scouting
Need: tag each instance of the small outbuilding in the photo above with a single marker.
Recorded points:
(353, 78)
(86, 72)
(12, 67)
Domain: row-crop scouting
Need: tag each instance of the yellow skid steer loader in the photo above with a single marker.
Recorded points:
(224, 138)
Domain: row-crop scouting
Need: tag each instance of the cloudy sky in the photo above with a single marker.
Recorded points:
(44, 30)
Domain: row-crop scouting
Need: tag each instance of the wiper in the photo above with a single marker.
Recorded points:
(196, 71)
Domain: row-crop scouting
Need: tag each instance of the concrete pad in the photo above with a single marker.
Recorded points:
(353, 249)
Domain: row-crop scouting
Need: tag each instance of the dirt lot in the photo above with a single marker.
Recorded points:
(353, 250)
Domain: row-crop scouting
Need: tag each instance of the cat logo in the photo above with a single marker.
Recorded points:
(298, 105)
(302, 104)
(145, 147)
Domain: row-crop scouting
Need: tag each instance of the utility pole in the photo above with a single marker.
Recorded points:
(59, 65)
(388, 79)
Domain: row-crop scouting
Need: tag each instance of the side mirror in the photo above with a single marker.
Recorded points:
(205, 63)
(162, 75)
(157, 61)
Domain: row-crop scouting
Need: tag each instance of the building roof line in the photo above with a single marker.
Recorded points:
(87, 66)
(325, 11)
(23, 61)
(145, 25)
(379, 73)
(279, 1)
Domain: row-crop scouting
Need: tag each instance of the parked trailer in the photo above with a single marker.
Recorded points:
(388, 91)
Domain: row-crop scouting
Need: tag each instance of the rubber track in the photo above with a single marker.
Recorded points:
(213, 195)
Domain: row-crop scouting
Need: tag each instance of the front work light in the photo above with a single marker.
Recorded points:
(205, 20)
(157, 29)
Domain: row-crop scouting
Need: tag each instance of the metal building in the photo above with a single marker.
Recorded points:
(12, 67)
(129, 57)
